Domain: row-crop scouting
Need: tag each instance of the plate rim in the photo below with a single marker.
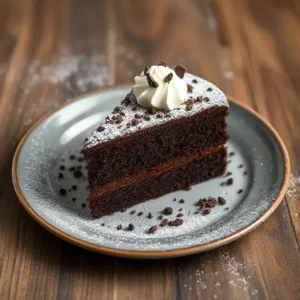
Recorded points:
(149, 254)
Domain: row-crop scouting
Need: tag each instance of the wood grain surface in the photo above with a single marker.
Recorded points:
(56, 49)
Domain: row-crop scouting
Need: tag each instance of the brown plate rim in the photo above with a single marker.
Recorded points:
(150, 254)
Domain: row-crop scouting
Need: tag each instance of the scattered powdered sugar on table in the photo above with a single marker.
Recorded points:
(293, 190)
(78, 72)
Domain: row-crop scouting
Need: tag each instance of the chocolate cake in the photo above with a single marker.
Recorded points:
(167, 134)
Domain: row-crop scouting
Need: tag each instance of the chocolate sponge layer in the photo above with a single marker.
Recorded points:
(147, 148)
(162, 179)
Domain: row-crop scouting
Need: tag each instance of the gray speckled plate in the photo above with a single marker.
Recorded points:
(259, 167)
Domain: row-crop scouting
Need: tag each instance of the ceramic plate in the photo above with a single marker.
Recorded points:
(48, 160)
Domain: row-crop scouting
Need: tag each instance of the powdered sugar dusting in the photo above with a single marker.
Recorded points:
(201, 88)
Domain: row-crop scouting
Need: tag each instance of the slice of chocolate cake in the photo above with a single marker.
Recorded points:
(167, 134)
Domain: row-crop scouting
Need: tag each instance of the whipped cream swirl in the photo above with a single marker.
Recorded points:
(160, 87)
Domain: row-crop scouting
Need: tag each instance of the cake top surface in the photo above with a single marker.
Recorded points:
(130, 117)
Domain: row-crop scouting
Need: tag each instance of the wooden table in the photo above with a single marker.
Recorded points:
(53, 50)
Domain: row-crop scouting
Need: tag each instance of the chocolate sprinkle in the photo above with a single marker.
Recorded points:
(74, 199)
(180, 71)
(221, 200)
(72, 157)
(77, 174)
(206, 211)
(123, 209)
(140, 213)
(134, 122)
(181, 201)
(63, 191)
(168, 78)
(180, 209)
(147, 118)
(152, 111)
(151, 81)
(231, 153)
(209, 89)
(130, 227)
(194, 81)
(245, 173)
(150, 216)
(62, 167)
(164, 222)
(160, 217)
(230, 181)
(132, 212)
(179, 215)
(83, 205)
(240, 191)
(168, 211)
(177, 222)
(74, 187)
(240, 166)
(119, 227)
(152, 229)
(60, 175)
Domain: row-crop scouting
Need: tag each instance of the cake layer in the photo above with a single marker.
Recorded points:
(151, 146)
(160, 180)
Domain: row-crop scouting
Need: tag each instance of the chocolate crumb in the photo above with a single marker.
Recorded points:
(72, 157)
(181, 201)
(226, 208)
(180, 209)
(209, 89)
(132, 212)
(160, 217)
(137, 116)
(152, 83)
(168, 78)
(174, 199)
(63, 191)
(140, 213)
(176, 222)
(228, 174)
(74, 199)
(77, 174)
(194, 81)
(134, 108)
(189, 88)
(168, 211)
(179, 215)
(119, 119)
(70, 190)
(117, 109)
(74, 187)
(147, 118)
(159, 116)
(164, 222)
(221, 200)
(152, 229)
(100, 129)
(229, 162)
(180, 71)
(230, 181)
(206, 211)
(60, 175)
(102, 224)
(130, 227)
(150, 216)
(196, 212)
(72, 169)
(240, 166)
(199, 99)
(62, 167)
(245, 173)
(83, 205)
(240, 191)
(123, 209)
(188, 107)
(80, 159)
(119, 227)
(231, 153)
(206, 99)
(134, 122)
